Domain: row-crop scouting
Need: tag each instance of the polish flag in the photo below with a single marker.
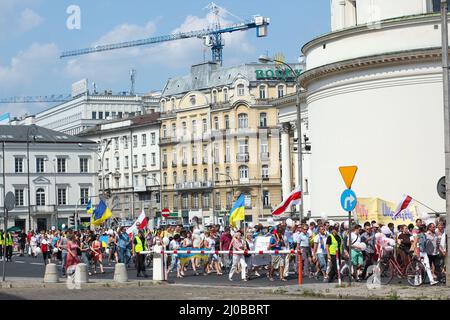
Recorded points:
(404, 204)
(293, 199)
(141, 222)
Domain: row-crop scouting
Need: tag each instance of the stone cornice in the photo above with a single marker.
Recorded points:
(382, 60)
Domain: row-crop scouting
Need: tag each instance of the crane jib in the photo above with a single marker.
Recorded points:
(181, 35)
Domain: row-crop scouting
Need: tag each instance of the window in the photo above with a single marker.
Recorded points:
(194, 155)
(174, 130)
(106, 164)
(242, 121)
(165, 178)
(227, 152)
(262, 92)
(164, 131)
(84, 165)
(184, 176)
(195, 200)
(240, 90)
(144, 160)
(62, 196)
(18, 193)
(280, 91)
(194, 127)
(229, 199)
(175, 202)
(135, 161)
(205, 154)
(106, 115)
(195, 175)
(217, 204)
(116, 143)
(153, 138)
(175, 177)
(61, 165)
(225, 94)
(153, 159)
(265, 172)
(243, 173)
(126, 164)
(216, 123)
(18, 165)
(117, 162)
(94, 115)
(40, 197)
(192, 100)
(163, 105)
(120, 113)
(266, 198)
(184, 154)
(248, 200)
(227, 122)
(144, 140)
(263, 119)
(184, 125)
(165, 203)
(84, 196)
(40, 165)
(243, 146)
(206, 200)
(135, 141)
(125, 142)
(185, 201)
(264, 149)
(205, 175)
(174, 157)
(205, 126)
(228, 172)
(100, 115)
(216, 173)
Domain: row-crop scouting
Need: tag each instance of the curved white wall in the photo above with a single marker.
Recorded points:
(388, 122)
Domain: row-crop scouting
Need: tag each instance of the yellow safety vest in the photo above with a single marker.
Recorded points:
(334, 245)
(139, 247)
(9, 240)
(1, 239)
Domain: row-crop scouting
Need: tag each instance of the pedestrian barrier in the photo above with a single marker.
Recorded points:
(120, 273)
(81, 273)
(51, 273)
(159, 258)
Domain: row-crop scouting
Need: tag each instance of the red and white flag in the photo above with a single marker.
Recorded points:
(293, 199)
(141, 221)
(404, 204)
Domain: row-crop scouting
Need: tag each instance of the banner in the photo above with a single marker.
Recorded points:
(369, 209)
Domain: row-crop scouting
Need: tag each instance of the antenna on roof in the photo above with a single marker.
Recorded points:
(133, 80)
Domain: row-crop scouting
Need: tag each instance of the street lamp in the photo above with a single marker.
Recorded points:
(267, 59)
(31, 130)
(56, 195)
(232, 191)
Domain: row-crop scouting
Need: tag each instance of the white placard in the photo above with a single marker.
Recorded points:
(79, 88)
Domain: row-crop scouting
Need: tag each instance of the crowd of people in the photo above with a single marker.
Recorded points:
(324, 247)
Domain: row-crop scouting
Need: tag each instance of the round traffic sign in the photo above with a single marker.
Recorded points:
(10, 201)
(441, 187)
(348, 200)
(165, 212)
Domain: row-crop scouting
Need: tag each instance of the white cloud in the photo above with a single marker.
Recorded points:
(28, 67)
(105, 67)
(28, 20)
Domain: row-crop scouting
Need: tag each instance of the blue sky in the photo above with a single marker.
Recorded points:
(33, 33)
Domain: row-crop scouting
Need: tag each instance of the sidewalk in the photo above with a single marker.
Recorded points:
(359, 291)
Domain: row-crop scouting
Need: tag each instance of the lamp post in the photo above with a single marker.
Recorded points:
(33, 130)
(56, 191)
(267, 59)
(446, 93)
(232, 191)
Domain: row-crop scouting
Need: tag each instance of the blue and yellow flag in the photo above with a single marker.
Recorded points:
(237, 212)
(89, 208)
(101, 214)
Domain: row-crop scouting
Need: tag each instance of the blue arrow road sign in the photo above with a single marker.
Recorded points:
(348, 200)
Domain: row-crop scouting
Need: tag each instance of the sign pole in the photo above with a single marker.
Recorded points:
(349, 248)
(5, 211)
(5, 223)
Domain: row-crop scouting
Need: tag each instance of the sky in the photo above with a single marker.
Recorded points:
(33, 33)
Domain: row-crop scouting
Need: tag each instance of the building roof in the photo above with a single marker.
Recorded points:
(18, 133)
(210, 75)
(150, 118)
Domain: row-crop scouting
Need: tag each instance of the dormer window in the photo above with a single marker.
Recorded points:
(240, 90)
(192, 100)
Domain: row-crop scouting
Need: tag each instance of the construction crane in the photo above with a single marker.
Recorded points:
(212, 37)
(36, 99)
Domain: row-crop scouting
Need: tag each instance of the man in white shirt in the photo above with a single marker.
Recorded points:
(356, 252)
(320, 252)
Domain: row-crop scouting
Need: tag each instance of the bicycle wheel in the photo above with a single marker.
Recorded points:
(415, 273)
(385, 272)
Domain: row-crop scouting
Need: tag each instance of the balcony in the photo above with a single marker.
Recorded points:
(168, 140)
(174, 164)
(168, 114)
(193, 185)
(264, 156)
(242, 157)
(220, 105)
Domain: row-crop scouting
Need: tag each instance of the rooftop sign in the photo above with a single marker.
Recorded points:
(270, 74)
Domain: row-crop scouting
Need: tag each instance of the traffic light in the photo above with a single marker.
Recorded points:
(71, 221)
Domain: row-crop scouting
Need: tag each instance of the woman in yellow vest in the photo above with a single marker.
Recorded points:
(334, 252)
(2, 243)
(139, 245)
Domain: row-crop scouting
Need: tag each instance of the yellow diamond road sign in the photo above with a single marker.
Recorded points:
(348, 174)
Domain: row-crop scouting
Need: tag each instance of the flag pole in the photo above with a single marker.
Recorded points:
(424, 205)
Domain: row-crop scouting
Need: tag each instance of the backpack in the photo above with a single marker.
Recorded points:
(422, 242)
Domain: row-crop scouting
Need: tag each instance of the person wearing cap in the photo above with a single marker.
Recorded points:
(334, 252)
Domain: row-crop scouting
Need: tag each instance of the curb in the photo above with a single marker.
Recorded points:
(92, 284)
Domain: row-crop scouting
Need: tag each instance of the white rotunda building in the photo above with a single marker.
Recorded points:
(374, 99)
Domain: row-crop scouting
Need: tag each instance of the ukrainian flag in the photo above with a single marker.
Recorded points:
(237, 211)
(89, 208)
(101, 214)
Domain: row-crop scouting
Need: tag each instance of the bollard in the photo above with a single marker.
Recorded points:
(51, 273)
(158, 267)
(81, 274)
(120, 273)
(300, 267)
